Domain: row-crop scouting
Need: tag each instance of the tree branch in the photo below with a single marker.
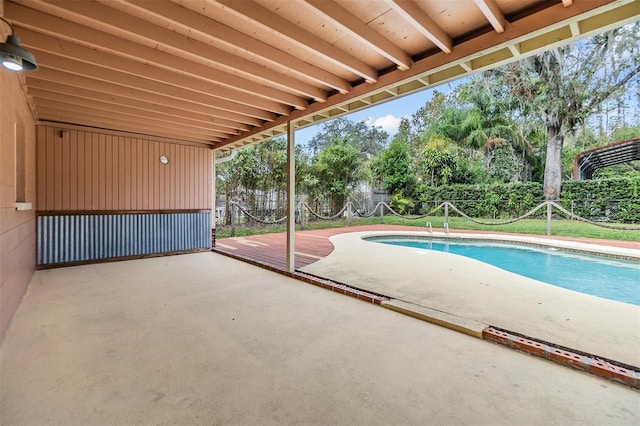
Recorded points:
(602, 96)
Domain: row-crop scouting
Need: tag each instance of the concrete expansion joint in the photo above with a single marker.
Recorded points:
(434, 316)
(608, 369)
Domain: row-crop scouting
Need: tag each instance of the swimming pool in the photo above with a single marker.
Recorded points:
(605, 277)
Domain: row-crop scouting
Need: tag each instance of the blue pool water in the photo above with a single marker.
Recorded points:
(600, 276)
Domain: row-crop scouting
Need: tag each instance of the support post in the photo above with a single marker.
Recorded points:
(232, 216)
(348, 213)
(291, 198)
(213, 198)
(549, 211)
(381, 213)
(446, 216)
(301, 215)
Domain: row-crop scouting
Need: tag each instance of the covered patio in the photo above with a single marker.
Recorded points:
(205, 339)
(108, 153)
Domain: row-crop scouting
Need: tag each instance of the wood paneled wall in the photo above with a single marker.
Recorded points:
(82, 170)
(17, 227)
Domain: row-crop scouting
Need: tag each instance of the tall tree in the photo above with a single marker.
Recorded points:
(565, 85)
(368, 139)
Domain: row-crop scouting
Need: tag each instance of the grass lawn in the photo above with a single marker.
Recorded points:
(561, 227)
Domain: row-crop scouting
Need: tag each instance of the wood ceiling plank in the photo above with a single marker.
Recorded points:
(57, 91)
(492, 12)
(117, 117)
(101, 123)
(363, 33)
(77, 113)
(248, 82)
(289, 79)
(59, 80)
(423, 23)
(246, 92)
(43, 97)
(304, 39)
(48, 60)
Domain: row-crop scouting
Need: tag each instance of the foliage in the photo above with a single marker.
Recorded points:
(485, 135)
(368, 139)
(616, 199)
(395, 168)
(338, 169)
(564, 86)
(492, 201)
(400, 204)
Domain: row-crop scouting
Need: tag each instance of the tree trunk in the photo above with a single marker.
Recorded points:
(553, 166)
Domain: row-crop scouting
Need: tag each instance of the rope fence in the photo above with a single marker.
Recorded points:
(349, 209)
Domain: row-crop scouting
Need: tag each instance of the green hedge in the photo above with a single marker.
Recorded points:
(614, 200)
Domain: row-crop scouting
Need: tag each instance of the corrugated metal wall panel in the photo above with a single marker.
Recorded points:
(71, 238)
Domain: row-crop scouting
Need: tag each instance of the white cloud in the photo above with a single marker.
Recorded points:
(389, 123)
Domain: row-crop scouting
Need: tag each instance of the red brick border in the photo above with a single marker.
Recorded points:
(310, 279)
(587, 363)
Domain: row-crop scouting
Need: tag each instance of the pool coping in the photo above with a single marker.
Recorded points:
(568, 246)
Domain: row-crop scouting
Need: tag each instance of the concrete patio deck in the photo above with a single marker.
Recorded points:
(205, 339)
(464, 289)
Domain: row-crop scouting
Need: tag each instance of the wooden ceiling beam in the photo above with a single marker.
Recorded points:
(61, 91)
(493, 13)
(246, 93)
(289, 78)
(102, 123)
(59, 80)
(58, 28)
(43, 97)
(289, 64)
(517, 32)
(279, 26)
(422, 22)
(121, 117)
(362, 32)
(48, 60)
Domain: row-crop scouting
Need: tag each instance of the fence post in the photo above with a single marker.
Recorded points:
(232, 213)
(381, 213)
(549, 211)
(446, 216)
(348, 213)
(572, 206)
(301, 216)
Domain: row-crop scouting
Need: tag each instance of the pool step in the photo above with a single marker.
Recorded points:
(453, 322)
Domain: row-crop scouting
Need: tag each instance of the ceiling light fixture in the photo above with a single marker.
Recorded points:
(13, 56)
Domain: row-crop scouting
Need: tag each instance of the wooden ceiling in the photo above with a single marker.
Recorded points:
(232, 72)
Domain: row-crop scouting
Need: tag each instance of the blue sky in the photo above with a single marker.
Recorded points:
(386, 115)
